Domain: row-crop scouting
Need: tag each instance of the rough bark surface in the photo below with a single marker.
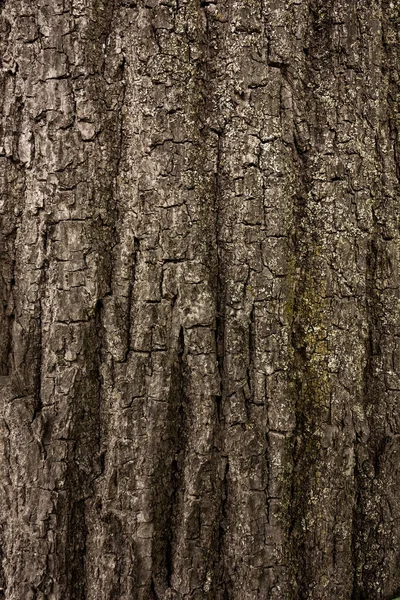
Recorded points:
(200, 300)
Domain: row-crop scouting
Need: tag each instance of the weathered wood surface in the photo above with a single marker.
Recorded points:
(200, 308)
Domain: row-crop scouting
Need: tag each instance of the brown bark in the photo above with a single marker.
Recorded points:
(200, 318)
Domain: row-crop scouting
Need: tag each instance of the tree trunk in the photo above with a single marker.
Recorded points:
(200, 300)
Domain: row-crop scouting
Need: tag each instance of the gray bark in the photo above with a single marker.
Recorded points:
(200, 300)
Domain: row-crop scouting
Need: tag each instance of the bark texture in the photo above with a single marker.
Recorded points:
(200, 300)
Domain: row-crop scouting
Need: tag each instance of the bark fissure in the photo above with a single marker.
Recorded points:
(220, 295)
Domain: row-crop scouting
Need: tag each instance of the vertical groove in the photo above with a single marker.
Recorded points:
(168, 478)
(220, 293)
(131, 287)
(365, 457)
(220, 299)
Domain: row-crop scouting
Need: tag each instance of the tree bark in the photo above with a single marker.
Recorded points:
(200, 300)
